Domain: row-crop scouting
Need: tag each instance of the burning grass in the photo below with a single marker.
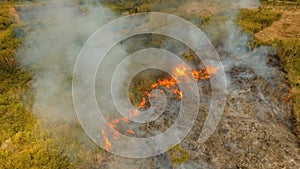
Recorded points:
(144, 83)
(22, 147)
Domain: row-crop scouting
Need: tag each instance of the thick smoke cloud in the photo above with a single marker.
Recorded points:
(51, 49)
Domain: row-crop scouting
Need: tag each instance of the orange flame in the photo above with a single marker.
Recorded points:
(205, 73)
(108, 145)
(168, 83)
(130, 131)
(143, 103)
(112, 125)
(181, 74)
(125, 119)
(179, 93)
(180, 70)
(289, 96)
(134, 113)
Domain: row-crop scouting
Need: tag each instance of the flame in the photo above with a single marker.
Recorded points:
(143, 103)
(168, 83)
(124, 119)
(180, 71)
(205, 73)
(112, 125)
(130, 131)
(211, 70)
(179, 93)
(108, 145)
(196, 74)
(134, 113)
(181, 75)
(289, 96)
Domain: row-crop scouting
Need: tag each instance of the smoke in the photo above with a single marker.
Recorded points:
(50, 50)
(60, 30)
(232, 43)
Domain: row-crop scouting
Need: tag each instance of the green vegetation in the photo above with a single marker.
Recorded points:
(141, 83)
(22, 146)
(281, 2)
(13, 82)
(25, 141)
(253, 21)
(289, 54)
(9, 41)
(127, 7)
(288, 48)
(178, 155)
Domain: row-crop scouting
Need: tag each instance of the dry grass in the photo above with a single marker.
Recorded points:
(284, 35)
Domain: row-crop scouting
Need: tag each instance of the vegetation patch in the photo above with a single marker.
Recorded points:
(288, 48)
(178, 155)
(21, 145)
(253, 21)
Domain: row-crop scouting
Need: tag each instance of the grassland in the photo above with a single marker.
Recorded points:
(277, 23)
(25, 145)
(24, 142)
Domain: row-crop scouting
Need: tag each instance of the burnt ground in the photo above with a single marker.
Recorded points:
(255, 130)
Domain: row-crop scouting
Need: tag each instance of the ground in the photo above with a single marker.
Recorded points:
(21, 141)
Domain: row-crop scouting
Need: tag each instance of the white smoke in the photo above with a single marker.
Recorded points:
(51, 50)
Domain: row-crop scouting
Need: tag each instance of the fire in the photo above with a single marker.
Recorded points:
(289, 96)
(179, 93)
(211, 70)
(108, 145)
(196, 74)
(134, 113)
(180, 70)
(205, 73)
(130, 131)
(181, 75)
(168, 83)
(112, 125)
(143, 103)
(124, 119)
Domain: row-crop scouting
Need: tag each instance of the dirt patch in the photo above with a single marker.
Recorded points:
(288, 27)
(206, 9)
(209, 8)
